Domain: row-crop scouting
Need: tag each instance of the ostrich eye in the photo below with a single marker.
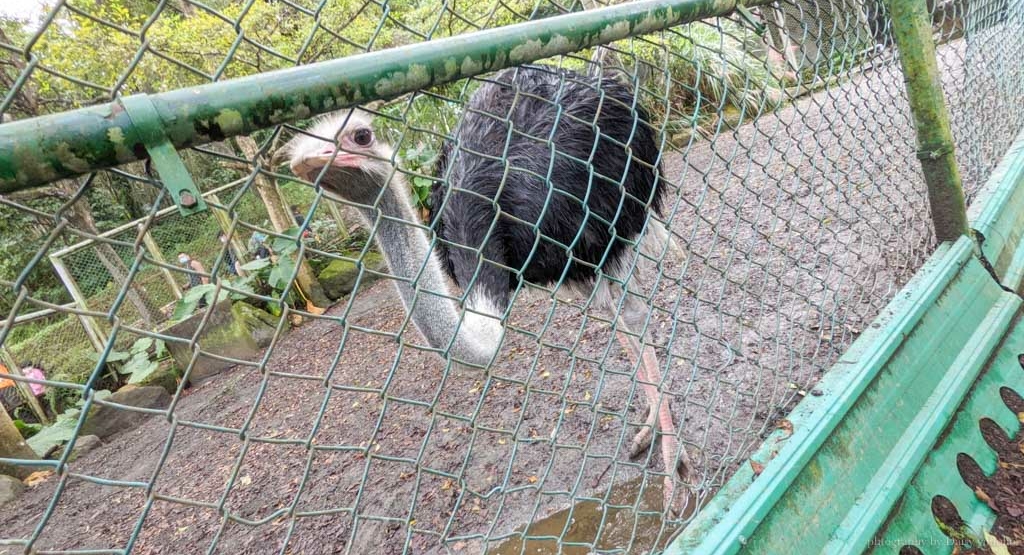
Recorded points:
(362, 137)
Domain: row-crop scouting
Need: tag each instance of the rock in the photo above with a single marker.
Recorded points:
(104, 421)
(13, 446)
(260, 323)
(83, 445)
(235, 330)
(166, 377)
(339, 277)
(10, 488)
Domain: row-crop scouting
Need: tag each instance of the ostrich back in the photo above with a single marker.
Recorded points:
(550, 174)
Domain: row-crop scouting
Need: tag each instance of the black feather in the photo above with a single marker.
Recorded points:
(524, 125)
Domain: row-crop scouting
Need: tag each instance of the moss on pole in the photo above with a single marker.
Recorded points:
(912, 31)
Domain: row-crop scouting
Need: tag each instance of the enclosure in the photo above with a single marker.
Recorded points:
(211, 346)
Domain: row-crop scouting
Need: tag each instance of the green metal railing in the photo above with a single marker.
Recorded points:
(833, 323)
(43, 150)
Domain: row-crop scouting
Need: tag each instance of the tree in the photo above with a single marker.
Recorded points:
(91, 59)
(281, 218)
(78, 213)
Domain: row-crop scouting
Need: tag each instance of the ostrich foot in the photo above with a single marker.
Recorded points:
(644, 438)
(675, 459)
(682, 469)
(670, 451)
(674, 456)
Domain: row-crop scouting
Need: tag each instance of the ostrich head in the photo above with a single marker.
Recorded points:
(357, 167)
(358, 164)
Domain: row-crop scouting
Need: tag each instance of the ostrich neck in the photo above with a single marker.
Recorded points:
(422, 286)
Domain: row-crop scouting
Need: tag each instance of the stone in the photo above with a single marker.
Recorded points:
(13, 446)
(104, 421)
(260, 323)
(339, 277)
(83, 445)
(235, 330)
(10, 488)
(166, 377)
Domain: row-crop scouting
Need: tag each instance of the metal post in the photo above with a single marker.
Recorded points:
(339, 220)
(158, 256)
(92, 328)
(224, 220)
(912, 31)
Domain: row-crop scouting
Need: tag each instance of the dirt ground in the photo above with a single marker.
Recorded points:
(797, 229)
(1001, 491)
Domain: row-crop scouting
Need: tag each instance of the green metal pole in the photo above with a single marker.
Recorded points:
(912, 30)
(42, 150)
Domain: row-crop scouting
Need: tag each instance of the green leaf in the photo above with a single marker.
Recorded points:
(221, 295)
(246, 289)
(286, 245)
(198, 292)
(183, 309)
(281, 273)
(112, 356)
(256, 265)
(27, 430)
(140, 374)
(142, 344)
(53, 435)
(138, 361)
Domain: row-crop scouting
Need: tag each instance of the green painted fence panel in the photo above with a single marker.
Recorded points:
(864, 461)
(912, 521)
(996, 218)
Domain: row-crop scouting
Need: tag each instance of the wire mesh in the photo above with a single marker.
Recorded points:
(982, 81)
(792, 196)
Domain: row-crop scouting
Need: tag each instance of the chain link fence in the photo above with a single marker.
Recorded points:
(305, 410)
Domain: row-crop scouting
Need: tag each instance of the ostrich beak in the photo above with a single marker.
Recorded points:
(307, 167)
(348, 160)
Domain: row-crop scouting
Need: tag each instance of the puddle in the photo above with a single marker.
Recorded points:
(588, 526)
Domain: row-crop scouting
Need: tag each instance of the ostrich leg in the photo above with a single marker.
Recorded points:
(643, 439)
(659, 413)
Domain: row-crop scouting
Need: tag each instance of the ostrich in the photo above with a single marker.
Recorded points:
(539, 149)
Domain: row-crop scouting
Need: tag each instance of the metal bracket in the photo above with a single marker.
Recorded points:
(934, 151)
(147, 124)
(750, 20)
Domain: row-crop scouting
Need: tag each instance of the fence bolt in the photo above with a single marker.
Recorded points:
(912, 31)
(187, 200)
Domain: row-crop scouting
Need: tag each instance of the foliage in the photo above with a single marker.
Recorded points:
(706, 69)
(265, 276)
(201, 45)
(141, 360)
(420, 159)
(21, 235)
(62, 429)
(26, 429)
(189, 302)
